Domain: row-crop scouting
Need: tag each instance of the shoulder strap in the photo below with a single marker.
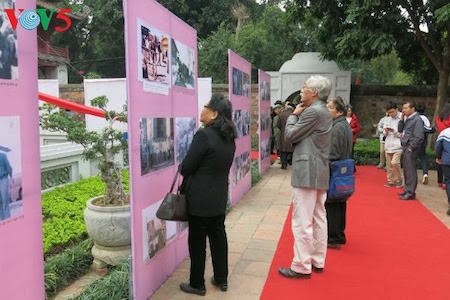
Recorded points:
(174, 180)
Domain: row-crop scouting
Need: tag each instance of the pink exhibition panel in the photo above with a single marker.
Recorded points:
(21, 247)
(161, 59)
(239, 90)
(265, 121)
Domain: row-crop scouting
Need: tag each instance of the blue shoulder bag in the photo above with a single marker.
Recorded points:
(342, 179)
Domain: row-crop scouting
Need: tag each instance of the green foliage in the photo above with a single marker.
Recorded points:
(255, 142)
(256, 176)
(354, 29)
(103, 145)
(205, 15)
(212, 55)
(115, 285)
(60, 270)
(62, 209)
(367, 152)
(267, 41)
(384, 69)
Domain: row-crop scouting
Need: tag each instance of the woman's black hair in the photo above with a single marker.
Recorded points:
(223, 122)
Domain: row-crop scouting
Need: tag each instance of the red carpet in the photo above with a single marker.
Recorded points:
(255, 156)
(395, 250)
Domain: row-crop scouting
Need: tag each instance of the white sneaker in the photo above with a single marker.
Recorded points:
(425, 179)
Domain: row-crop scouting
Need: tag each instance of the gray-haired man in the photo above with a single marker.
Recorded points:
(309, 130)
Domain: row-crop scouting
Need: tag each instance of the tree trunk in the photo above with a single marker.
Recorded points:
(442, 89)
(441, 96)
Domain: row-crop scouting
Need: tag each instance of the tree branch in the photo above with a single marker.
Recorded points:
(419, 34)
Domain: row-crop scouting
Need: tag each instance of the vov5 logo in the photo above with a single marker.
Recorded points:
(30, 19)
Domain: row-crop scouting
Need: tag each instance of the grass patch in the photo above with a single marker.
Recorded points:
(62, 269)
(115, 285)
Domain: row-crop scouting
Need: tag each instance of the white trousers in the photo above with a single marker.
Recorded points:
(309, 226)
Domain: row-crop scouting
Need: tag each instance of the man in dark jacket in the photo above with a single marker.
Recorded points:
(411, 127)
(286, 148)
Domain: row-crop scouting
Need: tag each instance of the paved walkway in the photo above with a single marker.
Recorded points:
(254, 226)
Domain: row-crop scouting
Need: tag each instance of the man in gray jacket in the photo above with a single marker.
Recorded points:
(309, 130)
(411, 127)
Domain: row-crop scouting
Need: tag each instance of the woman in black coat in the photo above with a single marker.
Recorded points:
(205, 170)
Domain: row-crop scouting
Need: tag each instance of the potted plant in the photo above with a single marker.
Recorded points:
(107, 217)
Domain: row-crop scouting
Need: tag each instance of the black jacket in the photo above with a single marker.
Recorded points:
(206, 169)
(413, 132)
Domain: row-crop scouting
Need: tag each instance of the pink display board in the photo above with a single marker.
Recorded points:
(21, 247)
(239, 90)
(265, 122)
(161, 60)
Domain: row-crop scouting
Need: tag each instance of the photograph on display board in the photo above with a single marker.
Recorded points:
(183, 65)
(265, 149)
(11, 202)
(153, 57)
(246, 85)
(156, 232)
(265, 90)
(185, 130)
(242, 166)
(265, 121)
(157, 145)
(237, 82)
(241, 119)
(8, 45)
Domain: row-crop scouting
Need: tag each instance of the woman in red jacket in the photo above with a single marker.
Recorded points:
(352, 119)
(442, 122)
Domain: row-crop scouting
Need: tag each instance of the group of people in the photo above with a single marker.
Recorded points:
(280, 113)
(404, 138)
(319, 130)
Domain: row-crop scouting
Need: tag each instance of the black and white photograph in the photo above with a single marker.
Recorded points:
(184, 133)
(241, 119)
(242, 166)
(183, 65)
(11, 202)
(156, 232)
(265, 90)
(9, 69)
(154, 59)
(265, 149)
(157, 144)
(265, 121)
(237, 81)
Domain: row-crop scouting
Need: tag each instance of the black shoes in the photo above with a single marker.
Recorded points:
(222, 286)
(317, 270)
(187, 288)
(288, 273)
(334, 246)
(408, 196)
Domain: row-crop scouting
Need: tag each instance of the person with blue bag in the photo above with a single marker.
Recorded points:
(341, 148)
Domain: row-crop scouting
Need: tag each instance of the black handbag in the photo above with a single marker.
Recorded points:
(174, 205)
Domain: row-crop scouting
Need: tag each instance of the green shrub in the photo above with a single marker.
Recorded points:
(115, 285)
(62, 210)
(367, 152)
(256, 176)
(255, 142)
(61, 269)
